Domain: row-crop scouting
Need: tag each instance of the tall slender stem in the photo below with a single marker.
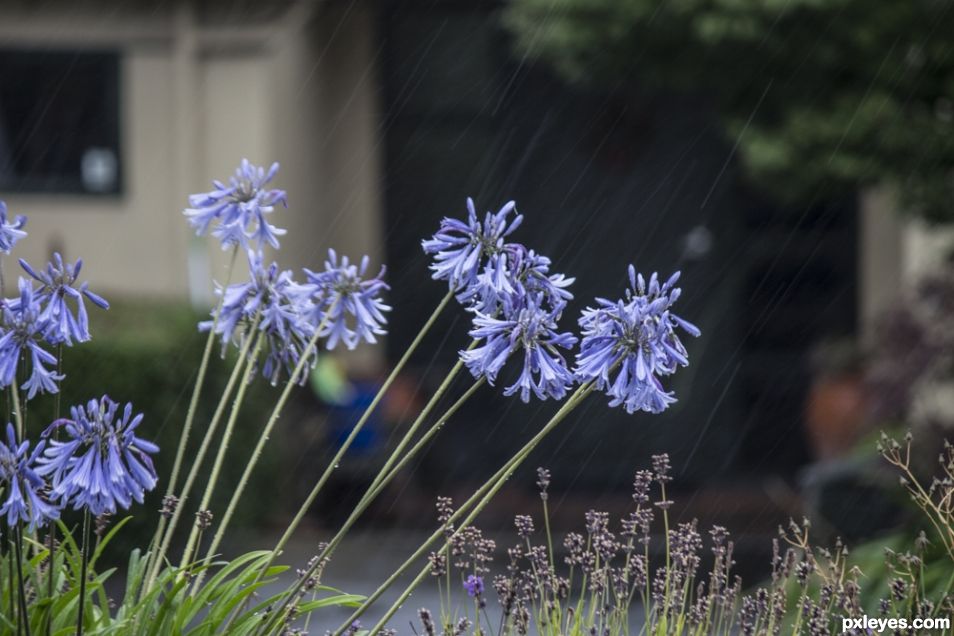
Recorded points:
(263, 439)
(384, 479)
(303, 510)
(83, 574)
(24, 612)
(200, 455)
(495, 484)
(17, 413)
(223, 448)
(193, 405)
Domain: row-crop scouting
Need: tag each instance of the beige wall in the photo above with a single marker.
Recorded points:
(195, 100)
(133, 242)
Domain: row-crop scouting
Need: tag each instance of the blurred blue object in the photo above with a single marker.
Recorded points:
(343, 415)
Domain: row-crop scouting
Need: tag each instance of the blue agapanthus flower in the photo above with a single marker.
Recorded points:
(56, 287)
(635, 339)
(274, 296)
(463, 249)
(100, 464)
(348, 302)
(239, 208)
(10, 232)
(21, 484)
(516, 273)
(530, 328)
(24, 327)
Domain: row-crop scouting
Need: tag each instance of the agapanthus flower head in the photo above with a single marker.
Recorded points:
(24, 326)
(56, 287)
(239, 208)
(347, 301)
(273, 296)
(462, 249)
(10, 231)
(98, 463)
(22, 486)
(516, 273)
(634, 338)
(530, 328)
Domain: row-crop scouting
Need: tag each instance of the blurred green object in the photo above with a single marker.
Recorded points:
(329, 381)
(821, 96)
(147, 353)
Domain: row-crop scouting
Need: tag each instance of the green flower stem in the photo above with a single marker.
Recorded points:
(193, 540)
(481, 497)
(21, 588)
(262, 440)
(83, 574)
(384, 479)
(17, 413)
(200, 455)
(193, 404)
(357, 427)
(303, 510)
(354, 433)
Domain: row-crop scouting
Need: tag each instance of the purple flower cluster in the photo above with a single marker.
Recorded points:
(25, 501)
(56, 286)
(239, 209)
(101, 465)
(343, 291)
(515, 300)
(42, 315)
(10, 232)
(340, 300)
(634, 338)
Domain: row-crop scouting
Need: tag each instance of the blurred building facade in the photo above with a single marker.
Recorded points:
(197, 87)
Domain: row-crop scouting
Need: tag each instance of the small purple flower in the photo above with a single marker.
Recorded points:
(474, 586)
(239, 208)
(22, 485)
(273, 294)
(634, 338)
(462, 249)
(24, 326)
(343, 289)
(10, 233)
(56, 286)
(531, 328)
(101, 465)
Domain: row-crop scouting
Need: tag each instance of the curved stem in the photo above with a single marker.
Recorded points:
(200, 456)
(486, 493)
(263, 439)
(303, 510)
(354, 433)
(193, 404)
(384, 479)
(223, 449)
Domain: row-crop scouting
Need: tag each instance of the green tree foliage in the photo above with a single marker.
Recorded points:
(823, 95)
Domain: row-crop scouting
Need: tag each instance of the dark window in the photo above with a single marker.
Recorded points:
(59, 121)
